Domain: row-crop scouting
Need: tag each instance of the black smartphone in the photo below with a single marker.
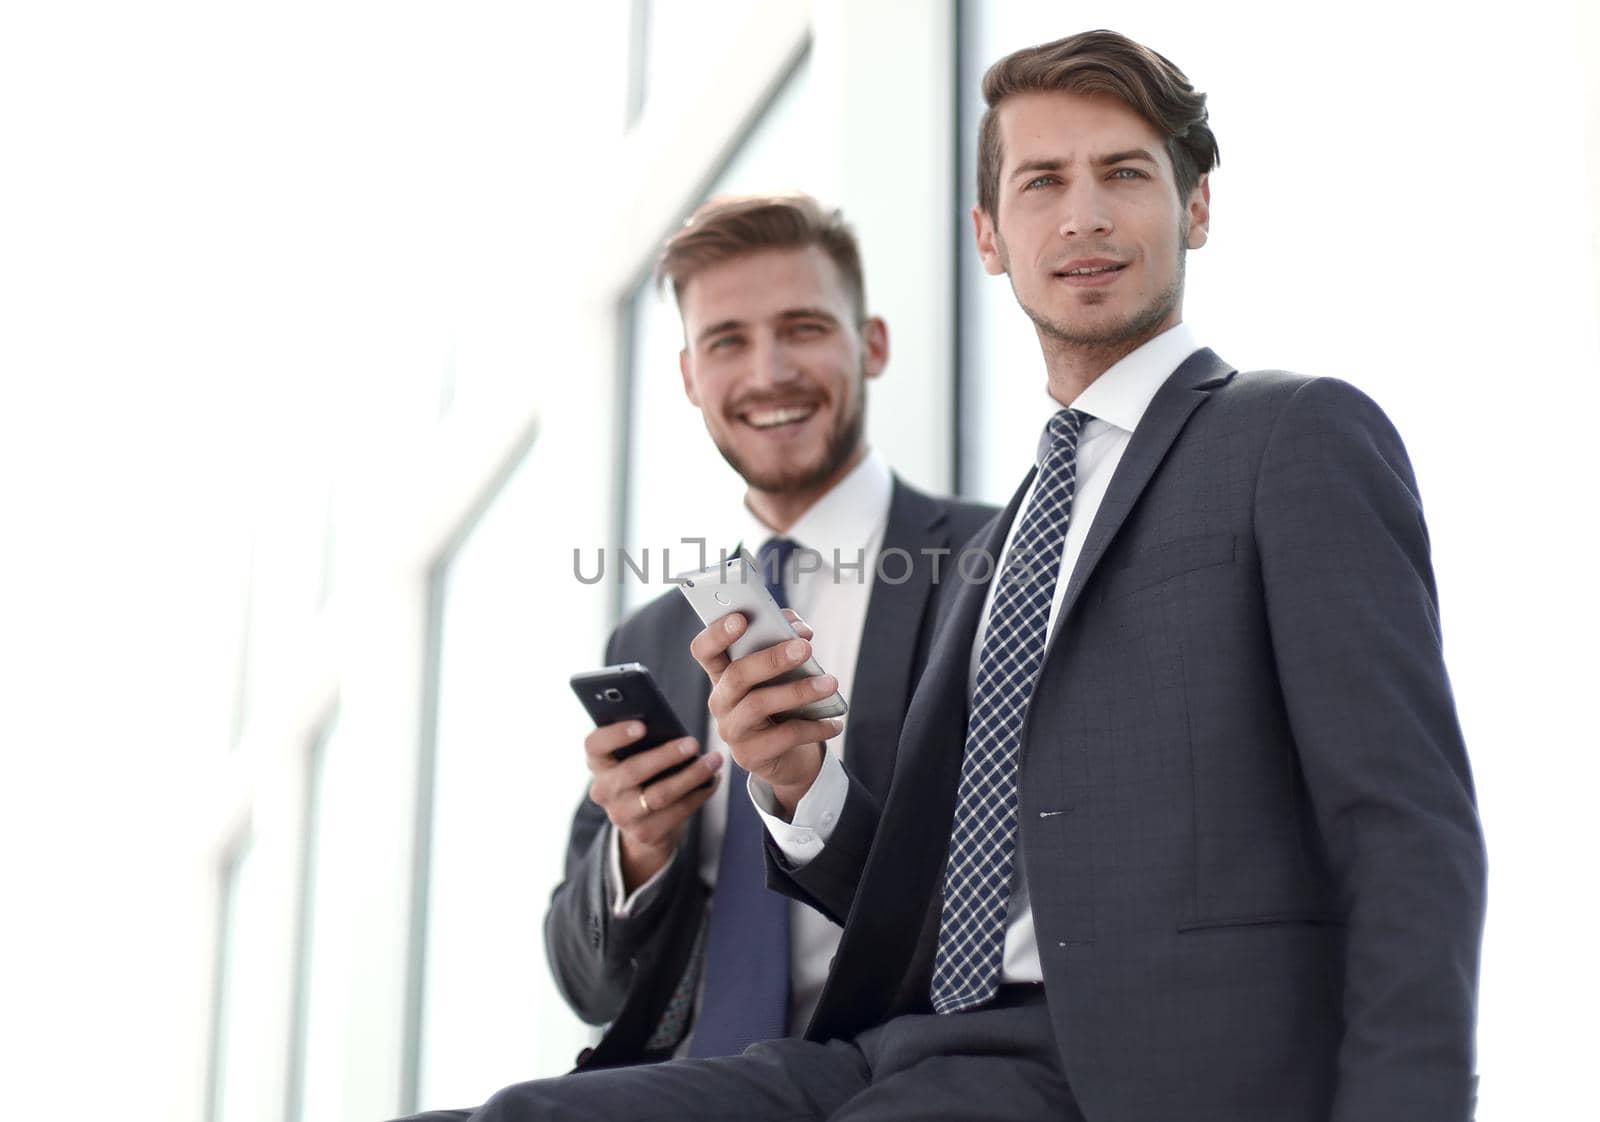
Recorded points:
(628, 692)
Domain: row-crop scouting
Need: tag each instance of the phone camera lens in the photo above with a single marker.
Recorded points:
(613, 694)
(687, 583)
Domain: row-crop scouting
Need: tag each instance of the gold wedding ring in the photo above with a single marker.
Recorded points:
(644, 802)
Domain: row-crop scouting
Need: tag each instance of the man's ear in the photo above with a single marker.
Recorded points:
(875, 346)
(688, 379)
(988, 240)
(1200, 213)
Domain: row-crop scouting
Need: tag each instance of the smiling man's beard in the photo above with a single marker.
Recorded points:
(843, 440)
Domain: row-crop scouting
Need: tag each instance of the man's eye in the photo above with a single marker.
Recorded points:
(1039, 181)
(1128, 173)
(723, 343)
(806, 328)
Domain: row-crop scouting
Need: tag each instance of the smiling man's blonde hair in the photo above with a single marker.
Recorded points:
(731, 226)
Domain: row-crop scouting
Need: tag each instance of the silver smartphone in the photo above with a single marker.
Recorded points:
(735, 585)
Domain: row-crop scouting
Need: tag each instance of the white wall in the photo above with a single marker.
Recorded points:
(256, 262)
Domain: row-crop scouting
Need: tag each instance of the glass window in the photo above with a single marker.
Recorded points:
(242, 666)
(680, 38)
(678, 484)
(238, 1082)
(995, 337)
(330, 888)
(507, 774)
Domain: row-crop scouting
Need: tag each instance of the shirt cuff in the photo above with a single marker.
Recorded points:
(624, 903)
(815, 815)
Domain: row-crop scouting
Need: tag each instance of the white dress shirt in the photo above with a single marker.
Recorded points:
(844, 532)
(1117, 400)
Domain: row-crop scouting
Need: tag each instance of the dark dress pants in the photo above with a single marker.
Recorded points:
(996, 1064)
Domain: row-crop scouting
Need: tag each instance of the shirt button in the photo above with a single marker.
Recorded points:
(827, 818)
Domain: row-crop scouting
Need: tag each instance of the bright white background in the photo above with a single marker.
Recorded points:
(285, 288)
(281, 286)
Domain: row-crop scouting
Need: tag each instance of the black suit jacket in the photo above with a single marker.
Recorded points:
(1246, 816)
(623, 971)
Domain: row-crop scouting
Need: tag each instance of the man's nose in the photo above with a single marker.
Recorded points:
(774, 365)
(1085, 212)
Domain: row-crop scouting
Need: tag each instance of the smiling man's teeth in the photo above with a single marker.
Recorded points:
(773, 417)
(1090, 272)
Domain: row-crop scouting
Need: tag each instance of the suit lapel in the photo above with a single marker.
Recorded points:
(1163, 420)
(687, 688)
(900, 879)
(680, 676)
(939, 706)
(891, 639)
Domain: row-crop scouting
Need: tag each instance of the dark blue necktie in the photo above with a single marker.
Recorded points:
(746, 996)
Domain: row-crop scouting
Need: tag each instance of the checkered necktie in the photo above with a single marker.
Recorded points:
(746, 996)
(983, 838)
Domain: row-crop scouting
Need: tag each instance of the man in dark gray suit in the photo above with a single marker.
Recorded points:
(778, 348)
(664, 929)
(1182, 825)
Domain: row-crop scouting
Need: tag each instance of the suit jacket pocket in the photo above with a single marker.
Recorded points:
(1167, 560)
(1272, 919)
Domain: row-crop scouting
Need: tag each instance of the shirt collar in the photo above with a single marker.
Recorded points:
(845, 520)
(1120, 396)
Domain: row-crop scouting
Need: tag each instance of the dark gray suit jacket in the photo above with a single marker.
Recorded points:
(1246, 816)
(623, 971)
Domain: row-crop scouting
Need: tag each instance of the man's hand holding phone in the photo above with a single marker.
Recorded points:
(786, 753)
(649, 814)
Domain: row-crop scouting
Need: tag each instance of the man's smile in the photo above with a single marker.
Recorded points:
(781, 416)
(1090, 272)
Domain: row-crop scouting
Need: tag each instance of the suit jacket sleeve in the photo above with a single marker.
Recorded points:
(593, 953)
(828, 881)
(1354, 620)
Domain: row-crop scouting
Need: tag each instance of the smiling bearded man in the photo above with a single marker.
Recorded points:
(664, 929)
(777, 351)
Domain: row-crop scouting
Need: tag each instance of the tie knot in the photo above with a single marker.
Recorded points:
(1061, 432)
(772, 562)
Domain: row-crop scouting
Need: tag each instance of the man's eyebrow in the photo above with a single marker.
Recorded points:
(1123, 157)
(1056, 163)
(809, 313)
(718, 329)
(1037, 165)
(788, 314)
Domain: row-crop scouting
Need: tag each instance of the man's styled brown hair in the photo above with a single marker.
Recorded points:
(1100, 62)
(730, 226)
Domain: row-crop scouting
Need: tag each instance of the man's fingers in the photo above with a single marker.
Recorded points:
(606, 739)
(637, 770)
(764, 752)
(665, 792)
(710, 647)
(801, 627)
(660, 824)
(744, 674)
(759, 708)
